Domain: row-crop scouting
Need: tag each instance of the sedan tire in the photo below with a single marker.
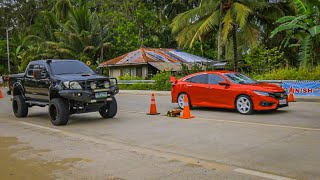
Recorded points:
(244, 105)
(181, 100)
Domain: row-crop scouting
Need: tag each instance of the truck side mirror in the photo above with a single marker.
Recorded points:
(39, 74)
(99, 71)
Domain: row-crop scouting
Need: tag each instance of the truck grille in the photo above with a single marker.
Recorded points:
(100, 84)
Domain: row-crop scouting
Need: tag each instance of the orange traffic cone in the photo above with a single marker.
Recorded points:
(153, 107)
(291, 95)
(186, 109)
(1, 96)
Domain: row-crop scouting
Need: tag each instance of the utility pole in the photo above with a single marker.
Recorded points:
(8, 51)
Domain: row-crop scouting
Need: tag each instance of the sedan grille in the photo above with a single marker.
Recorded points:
(279, 95)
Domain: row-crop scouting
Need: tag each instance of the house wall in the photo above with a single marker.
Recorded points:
(140, 70)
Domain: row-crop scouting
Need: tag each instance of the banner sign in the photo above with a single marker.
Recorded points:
(302, 88)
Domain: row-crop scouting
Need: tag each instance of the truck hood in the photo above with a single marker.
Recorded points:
(264, 87)
(79, 77)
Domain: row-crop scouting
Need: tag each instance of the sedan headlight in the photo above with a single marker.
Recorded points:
(93, 85)
(72, 85)
(262, 93)
(106, 84)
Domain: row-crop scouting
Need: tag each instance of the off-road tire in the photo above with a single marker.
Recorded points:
(19, 106)
(59, 111)
(110, 109)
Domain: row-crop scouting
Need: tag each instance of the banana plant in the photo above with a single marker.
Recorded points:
(305, 27)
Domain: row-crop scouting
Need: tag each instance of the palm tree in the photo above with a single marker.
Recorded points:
(304, 28)
(227, 18)
(82, 36)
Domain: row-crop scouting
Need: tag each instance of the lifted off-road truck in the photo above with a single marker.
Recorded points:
(66, 86)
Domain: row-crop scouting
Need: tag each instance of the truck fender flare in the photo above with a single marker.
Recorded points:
(18, 86)
(54, 89)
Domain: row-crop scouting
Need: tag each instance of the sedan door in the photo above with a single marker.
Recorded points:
(196, 87)
(218, 95)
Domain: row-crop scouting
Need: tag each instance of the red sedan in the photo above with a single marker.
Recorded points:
(227, 89)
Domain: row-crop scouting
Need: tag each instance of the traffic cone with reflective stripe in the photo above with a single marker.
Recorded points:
(186, 109)
(291, 95)
(1, 96)
(153, 107)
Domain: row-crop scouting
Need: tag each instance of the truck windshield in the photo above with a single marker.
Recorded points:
(238, 78)
(69, 67)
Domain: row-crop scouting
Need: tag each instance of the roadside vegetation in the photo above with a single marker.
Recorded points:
(266, 39)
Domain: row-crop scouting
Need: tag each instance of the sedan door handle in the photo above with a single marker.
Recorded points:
(209, 87)
(189, 85)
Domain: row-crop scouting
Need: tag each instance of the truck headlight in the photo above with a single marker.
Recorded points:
(262, 93)
(72, 85)
(106, 84)
(93, 85)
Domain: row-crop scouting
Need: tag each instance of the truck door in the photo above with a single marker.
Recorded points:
(37, 89)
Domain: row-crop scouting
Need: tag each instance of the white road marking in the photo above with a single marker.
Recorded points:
(261, 174)
(241, 122)
(41, 127)
(155, 152)
(139, 149)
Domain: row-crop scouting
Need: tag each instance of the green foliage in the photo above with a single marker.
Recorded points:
(302, 29)
(302, 73)
(162, 81)
(261, 59)
(128, 77)
(138, 86)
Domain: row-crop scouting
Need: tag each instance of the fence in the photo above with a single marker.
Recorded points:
(300, 88)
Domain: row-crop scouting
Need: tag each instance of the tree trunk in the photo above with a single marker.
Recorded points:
(235, 47)
(219, 31)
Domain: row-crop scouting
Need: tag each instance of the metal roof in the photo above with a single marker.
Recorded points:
(148, 55)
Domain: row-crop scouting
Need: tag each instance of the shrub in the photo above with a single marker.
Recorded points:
(162, 81)
(261, 59)
(302, 73)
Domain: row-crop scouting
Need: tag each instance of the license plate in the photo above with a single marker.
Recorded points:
(101, 95)
(282, 101)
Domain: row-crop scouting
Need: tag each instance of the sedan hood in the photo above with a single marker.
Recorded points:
(264, 87)
(79, 77)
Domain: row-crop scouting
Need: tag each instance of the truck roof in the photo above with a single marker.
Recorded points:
(45, 60)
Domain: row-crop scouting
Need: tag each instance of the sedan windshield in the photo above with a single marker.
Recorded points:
(69, 67)
(238, 78)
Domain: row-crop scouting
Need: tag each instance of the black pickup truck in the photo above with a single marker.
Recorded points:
(66, 86)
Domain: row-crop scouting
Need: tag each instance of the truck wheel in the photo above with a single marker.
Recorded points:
(58, 112)
(109, 110)
(19, 106)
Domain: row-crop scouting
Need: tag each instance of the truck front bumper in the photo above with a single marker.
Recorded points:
(86, 96)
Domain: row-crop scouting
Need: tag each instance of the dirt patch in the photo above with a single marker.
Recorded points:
(192, 165)
(14, 168)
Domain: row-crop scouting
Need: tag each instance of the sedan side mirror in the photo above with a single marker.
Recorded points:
(224, 83)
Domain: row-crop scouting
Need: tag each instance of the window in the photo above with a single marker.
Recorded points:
(215, 79)
(132, 72)
(139, 71)
(238, 78)
(30, 70)
(201, 79)
(69, 67)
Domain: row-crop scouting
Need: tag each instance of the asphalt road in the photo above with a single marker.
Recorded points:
(217, 144)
